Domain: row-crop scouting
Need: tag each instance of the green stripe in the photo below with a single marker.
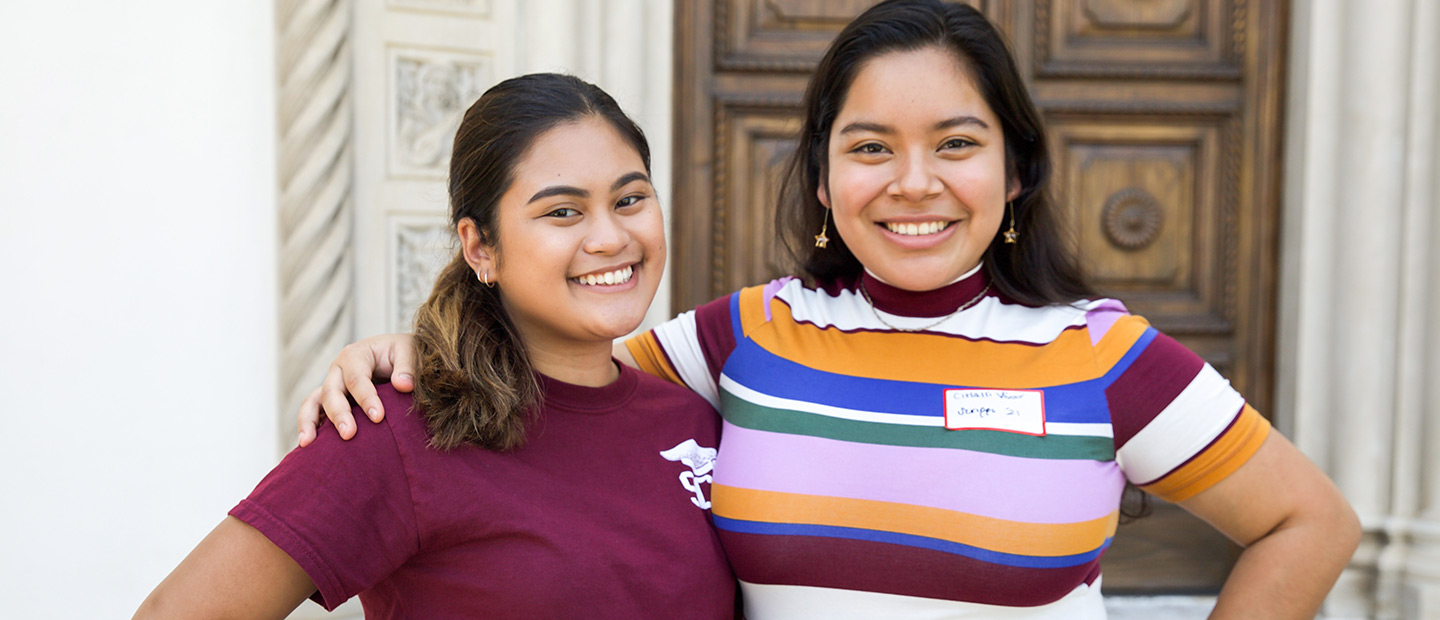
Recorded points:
(743, 413)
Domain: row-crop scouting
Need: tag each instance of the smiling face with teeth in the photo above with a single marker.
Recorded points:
(915, 176)
(581, 242)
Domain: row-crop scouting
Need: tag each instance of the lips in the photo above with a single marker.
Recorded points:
(606, 278)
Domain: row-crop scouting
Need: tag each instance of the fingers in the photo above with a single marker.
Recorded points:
(309, 417)
(402, 355)
(336, 406)
(358, 383)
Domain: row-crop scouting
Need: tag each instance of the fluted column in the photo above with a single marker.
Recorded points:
(315, 174)
(1416, 590)
(1357, 345)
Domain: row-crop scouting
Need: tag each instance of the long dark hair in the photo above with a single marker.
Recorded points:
(474, 380)
(1042, 267)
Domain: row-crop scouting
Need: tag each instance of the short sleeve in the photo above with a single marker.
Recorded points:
(342, 510)
(690, 349)
(1179, 426)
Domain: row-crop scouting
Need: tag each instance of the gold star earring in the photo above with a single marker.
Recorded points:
(1011, 235)
(821, 240)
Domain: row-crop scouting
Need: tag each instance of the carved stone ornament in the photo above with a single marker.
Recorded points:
(421, 251)
(431, 94)
(1132, 219)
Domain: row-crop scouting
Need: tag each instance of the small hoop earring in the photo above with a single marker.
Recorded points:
(485, 279)
(821, 240)
(1011, 235)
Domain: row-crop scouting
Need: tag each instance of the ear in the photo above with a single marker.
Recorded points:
(479, 254)
(823, 194)
(1012, 189)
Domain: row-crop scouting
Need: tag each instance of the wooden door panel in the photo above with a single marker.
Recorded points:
(1125, 38)
(1152, 216)
(1174, 207)
(754, 140)
(779, 35)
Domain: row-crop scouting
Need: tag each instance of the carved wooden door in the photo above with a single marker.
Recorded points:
(1164, 119)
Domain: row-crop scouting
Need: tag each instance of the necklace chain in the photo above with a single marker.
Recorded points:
(963, 307)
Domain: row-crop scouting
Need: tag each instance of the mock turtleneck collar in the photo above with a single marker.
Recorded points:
(932, 303)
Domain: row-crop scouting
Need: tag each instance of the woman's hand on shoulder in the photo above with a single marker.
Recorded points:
(353, 373)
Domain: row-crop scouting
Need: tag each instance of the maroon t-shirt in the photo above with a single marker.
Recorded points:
(604, 513)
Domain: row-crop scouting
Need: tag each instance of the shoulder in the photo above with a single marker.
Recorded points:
(402, 429)
(1109, 323)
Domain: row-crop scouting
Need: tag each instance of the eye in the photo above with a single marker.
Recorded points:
(956, 143)
(563, 212)
(629, 201)
(869, 148)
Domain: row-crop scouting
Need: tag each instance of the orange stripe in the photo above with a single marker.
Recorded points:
(651, 359)
(928, 358)
(1221, 459)
(1118, 340)
(752, 308)
(1032, 539)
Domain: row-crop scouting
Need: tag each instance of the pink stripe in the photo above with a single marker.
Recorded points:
(771, 289)
(990, 485)
(1103, 317)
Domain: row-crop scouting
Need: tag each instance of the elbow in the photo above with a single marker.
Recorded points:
(1349, 530)
(152, 608)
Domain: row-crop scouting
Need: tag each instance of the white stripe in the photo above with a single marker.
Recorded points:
(1189, 423)
(777, 602)
(1084, 429)
(681, 343)
(988, 319)
(775, 402)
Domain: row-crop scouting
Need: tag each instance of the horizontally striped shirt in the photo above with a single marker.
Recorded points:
(839, 491)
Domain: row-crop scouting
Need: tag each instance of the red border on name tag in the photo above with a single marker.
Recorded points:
(945, 398)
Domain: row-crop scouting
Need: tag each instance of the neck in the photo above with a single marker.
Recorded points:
(588, 364)
(973, 271)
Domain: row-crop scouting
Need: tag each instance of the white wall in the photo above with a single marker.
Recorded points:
(137, 295)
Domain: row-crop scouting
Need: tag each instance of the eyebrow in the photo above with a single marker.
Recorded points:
(948, 123)
(571, 190)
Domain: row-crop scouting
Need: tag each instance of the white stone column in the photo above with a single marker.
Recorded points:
(1359, 285)
(1416, 593)
(315, 168)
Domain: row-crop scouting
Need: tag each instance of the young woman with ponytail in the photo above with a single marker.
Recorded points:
(530, 475)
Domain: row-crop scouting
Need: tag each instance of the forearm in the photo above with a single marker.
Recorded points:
(1287, 573)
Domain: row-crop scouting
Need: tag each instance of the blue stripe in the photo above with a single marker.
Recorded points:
(1129, 358)
(908, 540)
(760, 370)
(735, 317)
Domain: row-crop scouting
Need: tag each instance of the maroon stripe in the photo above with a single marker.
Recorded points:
(936, 303)
(895, 569)
(717, 337)
(1149, 385)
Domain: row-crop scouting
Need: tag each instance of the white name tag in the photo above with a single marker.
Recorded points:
(1015, 411)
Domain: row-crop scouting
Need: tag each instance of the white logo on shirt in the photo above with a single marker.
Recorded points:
(700, 460)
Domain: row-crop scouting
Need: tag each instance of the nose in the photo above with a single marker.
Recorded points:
(915, 180)
(607, 234)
